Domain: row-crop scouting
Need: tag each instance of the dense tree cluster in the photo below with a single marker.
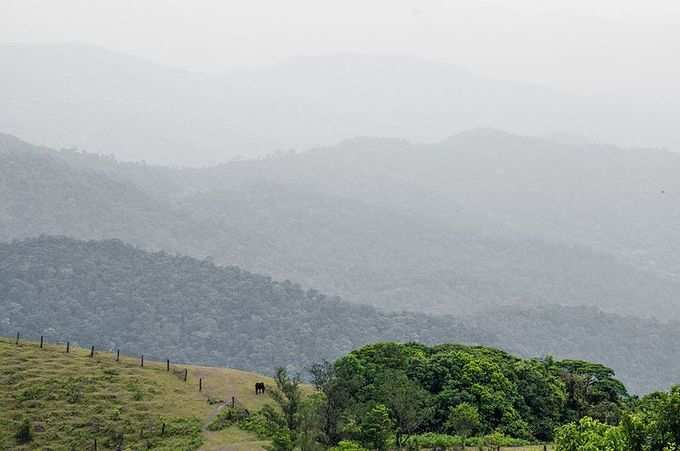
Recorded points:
(113, 295)
(649, 424)
(456, 389)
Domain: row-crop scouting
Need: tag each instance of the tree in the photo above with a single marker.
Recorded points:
(376, 427)
(309, 423)
(589, 434)
(409, 403)
(464, 420)
(288, 396)
(336, 393)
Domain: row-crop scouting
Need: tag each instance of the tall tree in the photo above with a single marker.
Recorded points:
(288, 396)
(408, 402)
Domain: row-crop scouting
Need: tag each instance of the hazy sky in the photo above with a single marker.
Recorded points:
(579, 45)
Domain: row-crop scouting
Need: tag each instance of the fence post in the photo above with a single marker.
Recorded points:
(233, 402)
(118, 355)
(95, 444)
(17, 338)
(41, 342)
(68, 347)
(92, 351)
(545, 447)
(200, 384)
(167, 367)
(141, 364)
(186, 373)
(163, 429)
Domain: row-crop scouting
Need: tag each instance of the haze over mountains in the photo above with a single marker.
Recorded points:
(326, 219)
(388, 223)
(111, 103)
(516, 236)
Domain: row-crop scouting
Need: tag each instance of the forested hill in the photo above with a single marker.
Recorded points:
(329, 226)
(113, 295)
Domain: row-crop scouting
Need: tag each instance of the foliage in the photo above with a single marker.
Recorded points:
(281, 441)
(264, 423)
(652, 424)
(408, 403)
(24, 433)
(228, 416)
(288, 396)
(468, 390)
(376, 427)
(348, 445)
(463, 419)
(435, 440)
(112, 295)
(590, 435)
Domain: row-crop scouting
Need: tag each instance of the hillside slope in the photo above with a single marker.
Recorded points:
(365, 232)
(115, 296)
(71, 400)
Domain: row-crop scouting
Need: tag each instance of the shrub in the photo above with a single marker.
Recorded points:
(590, 434)
(24, 434)
(348, 445)
(434, 440)
(226, 417)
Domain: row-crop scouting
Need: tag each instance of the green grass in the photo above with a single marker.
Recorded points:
(71, 399)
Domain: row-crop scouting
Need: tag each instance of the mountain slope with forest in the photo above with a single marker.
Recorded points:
(330, 228)
(116, 296)
(113, 295)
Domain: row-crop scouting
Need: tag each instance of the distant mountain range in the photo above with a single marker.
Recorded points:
(106, 102)
(401, 226)
(396, 225)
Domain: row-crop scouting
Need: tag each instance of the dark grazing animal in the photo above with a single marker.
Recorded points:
(259, 388)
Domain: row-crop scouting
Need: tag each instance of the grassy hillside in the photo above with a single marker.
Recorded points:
(71, 399)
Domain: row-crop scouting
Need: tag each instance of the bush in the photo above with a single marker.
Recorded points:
(587, 434)
(228, 416)
(434, 440)
(348, 445)
(24, 434)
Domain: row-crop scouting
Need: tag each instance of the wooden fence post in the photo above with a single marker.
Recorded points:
(233, 402)
(200, 384)
(163, 429)
(167, 367)
(95, 444)
(186, 373)
(68, 347)
(17, 338)
(141, 363)
(118, 355)
(92, 351)
(41, 342)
